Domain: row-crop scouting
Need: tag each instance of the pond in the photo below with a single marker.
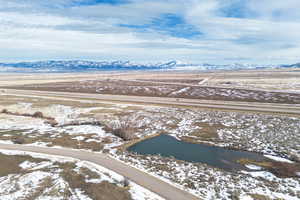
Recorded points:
(219, 157)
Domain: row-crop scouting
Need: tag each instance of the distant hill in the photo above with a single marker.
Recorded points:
(86, 66)
(297, 65)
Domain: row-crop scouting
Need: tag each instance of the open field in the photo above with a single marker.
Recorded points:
(264, 86)
(287, 80)
(272, 80)
(192, 124)
(135, 88)
(265, 122)
(37, 176)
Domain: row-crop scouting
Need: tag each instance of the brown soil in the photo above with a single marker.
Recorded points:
(186, 81)
(10, 164)
(63, 141)
(97, 191)
(124, 87)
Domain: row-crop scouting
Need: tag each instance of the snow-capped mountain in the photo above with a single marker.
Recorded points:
(297, 65)
(85, 66)
(80, 66)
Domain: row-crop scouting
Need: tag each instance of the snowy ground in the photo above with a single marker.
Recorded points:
(268, 134)
(37, 131)
(44, 177)
(212, 183)
(274, 135)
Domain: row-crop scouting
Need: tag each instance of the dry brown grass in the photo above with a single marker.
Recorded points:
(46, 183)
(64, 140)
(68, 141)
(171, 80)
(279, 169)
(10, 164)
(96, 191)
(204, 133)
(260, 197)
(265, 164)
(37, 114)
(127, 87)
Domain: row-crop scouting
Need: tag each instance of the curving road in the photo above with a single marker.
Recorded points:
(153, 184)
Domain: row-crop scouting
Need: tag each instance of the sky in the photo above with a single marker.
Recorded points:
(193, 31)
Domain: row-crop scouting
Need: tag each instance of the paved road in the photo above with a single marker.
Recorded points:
(227, 105)
(153, 184)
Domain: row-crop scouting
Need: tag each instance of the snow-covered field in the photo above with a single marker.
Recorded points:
(37, 131)
(275, 135)
(213, 183)
(44, 177)
(264, 133)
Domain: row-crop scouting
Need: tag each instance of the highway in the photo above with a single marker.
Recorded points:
(293, 109)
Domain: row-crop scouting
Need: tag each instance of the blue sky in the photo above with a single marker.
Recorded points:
(197, 31)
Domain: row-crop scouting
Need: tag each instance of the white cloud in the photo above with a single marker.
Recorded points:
(59, 31)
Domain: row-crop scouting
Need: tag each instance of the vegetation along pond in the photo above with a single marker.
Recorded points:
(169, 146)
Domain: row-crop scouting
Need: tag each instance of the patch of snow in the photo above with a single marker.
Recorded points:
(137, 192)
(24, 182)
(263, 174)
(35, 166)
(245, 197)
(79, 138)
(6, 142)
(39, 144)
(27, 165)
(84, 129)
(279, 159)
(253, 167)
(92, 140)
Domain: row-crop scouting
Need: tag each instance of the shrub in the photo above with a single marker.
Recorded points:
(105, 151)
(126, 133)
(4, 111)
(52, 122)
(18, 141)
(38, 115)
(125, 182)
(123, 127)
(107, 140)
(24, 115)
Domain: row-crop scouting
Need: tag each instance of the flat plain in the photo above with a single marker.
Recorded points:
(254, 111)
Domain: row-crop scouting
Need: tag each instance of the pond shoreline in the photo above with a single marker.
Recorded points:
(213, 156)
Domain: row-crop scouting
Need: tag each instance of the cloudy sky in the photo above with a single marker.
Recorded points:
(213, 31)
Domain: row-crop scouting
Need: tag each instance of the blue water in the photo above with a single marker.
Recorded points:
(168, 146)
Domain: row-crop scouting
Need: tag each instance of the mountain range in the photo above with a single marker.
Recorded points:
(87, 66)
